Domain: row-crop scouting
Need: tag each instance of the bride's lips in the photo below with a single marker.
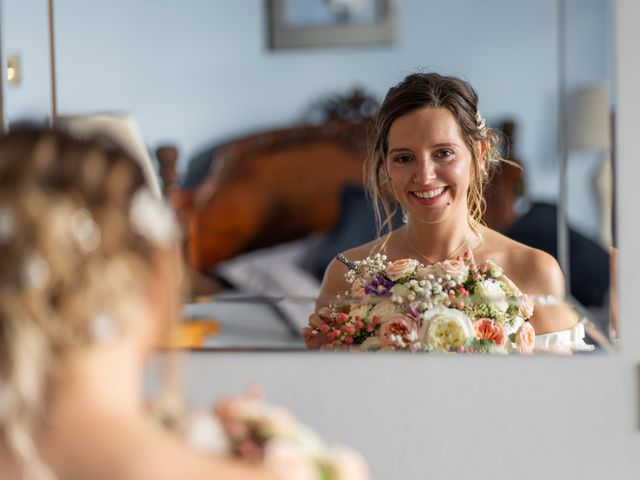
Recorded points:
(430, 196)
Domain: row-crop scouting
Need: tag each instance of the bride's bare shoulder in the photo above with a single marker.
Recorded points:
(533, 270)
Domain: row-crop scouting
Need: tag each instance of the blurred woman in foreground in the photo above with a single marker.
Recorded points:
(89, 272)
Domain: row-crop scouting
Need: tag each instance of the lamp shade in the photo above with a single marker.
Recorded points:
(119, 128)
(589, 122)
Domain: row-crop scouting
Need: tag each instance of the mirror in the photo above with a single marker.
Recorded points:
(199, 77)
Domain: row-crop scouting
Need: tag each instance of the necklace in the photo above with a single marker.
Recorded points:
(432, 262)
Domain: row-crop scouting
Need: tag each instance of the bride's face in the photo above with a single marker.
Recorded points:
(429, 165)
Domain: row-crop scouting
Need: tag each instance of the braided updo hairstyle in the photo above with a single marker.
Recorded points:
(72, 255)
(420, 90)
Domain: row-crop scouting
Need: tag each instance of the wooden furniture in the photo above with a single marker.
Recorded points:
(266, 189)
(505, 186)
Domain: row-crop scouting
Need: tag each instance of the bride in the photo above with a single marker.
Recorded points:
(88, 287)
(431, 155)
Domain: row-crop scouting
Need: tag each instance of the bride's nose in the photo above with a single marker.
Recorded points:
(425, 171)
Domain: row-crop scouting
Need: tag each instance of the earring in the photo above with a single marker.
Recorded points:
(405, 216)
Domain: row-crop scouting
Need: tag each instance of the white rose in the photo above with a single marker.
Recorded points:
(444, 328)
(492, 292)
(513, 328)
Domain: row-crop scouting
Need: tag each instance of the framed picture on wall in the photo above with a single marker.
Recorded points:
(330, 23)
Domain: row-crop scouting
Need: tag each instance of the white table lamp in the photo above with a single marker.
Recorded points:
(590, 130)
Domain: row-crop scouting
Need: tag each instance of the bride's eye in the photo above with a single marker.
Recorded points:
(402, 159)
(444, 154)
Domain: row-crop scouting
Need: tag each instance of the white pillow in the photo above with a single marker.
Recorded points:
(275, 274)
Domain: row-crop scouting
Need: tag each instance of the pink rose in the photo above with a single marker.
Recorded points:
(401, 268)
(487, 329)
(526, 305)
(456, 268)
(525, 339)
(398, 331)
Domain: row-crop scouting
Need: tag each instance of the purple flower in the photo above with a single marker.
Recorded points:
(413, 311)
(379, 285)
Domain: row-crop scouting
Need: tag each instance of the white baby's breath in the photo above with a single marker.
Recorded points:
(492, 292)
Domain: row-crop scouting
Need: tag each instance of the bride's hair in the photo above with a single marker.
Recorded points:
(420, 90)
(73, 250)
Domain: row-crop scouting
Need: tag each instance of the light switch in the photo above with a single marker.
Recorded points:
(14, 73)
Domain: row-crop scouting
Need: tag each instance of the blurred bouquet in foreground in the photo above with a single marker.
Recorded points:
(251, 430)
(452, 306)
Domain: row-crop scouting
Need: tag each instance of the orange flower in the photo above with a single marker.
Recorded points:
(398, 331)
(487, 329)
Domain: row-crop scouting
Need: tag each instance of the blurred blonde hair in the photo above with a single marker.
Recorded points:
(422, 90)
(69, 261)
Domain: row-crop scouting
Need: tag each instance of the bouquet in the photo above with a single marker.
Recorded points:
(251, 430)
(451, 306)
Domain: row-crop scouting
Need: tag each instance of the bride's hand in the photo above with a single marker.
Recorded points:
(313, 335)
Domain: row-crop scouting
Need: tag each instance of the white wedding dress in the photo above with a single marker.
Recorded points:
(572, 338)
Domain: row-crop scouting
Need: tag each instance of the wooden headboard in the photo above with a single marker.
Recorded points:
(266, 189)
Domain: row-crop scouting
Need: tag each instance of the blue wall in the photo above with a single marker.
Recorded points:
(194, 72)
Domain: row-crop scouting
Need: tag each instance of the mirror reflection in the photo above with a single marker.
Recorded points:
(261, 151)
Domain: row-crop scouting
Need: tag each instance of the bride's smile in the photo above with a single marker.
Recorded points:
(430, 197)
